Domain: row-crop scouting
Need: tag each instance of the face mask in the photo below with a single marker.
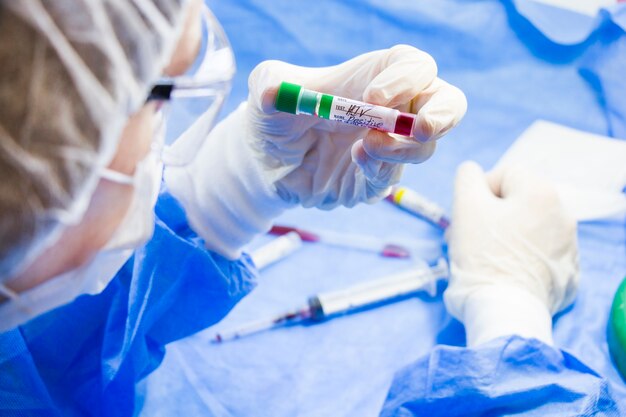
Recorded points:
(136, 228)
(138, 223)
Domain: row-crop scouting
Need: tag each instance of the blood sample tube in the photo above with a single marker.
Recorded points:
(295, 99)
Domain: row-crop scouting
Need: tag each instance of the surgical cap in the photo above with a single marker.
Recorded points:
(72, 73)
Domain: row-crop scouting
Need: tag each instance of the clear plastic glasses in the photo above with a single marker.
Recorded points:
(193, 100)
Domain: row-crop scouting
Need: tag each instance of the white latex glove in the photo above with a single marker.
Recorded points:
(257, 162)
(324, 164)
(513, 255)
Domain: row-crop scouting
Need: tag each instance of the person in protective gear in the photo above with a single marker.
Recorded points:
(101, 263)
(514, 265)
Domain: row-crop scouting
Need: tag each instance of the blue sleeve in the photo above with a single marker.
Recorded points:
(85, 358)
(508, 376)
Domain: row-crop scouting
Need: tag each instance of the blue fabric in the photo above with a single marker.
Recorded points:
(508, 376)
(85, 358)
(512, 73)
(603, 67)
(549, 21)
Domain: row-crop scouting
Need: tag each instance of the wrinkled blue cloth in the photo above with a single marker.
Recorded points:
(87, 357)
(602, 40)
(513, 69)
(507, 376)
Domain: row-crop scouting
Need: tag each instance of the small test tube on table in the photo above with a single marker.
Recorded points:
(295, 99)
(276, 249)
(419, 205)
(346, 240)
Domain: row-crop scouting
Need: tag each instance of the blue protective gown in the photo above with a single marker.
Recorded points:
(86, 358)
(507, 376)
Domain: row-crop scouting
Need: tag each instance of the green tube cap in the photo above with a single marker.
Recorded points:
(287, 97)
(616, 332)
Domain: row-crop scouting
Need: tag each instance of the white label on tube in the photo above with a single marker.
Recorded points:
(362, 114)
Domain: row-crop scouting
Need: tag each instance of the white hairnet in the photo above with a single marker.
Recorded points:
(72, 72)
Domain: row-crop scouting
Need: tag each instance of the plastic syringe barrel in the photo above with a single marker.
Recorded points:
(363, 295)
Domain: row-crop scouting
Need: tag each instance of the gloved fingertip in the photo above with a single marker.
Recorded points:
(425, 130)
(375, 95)
(268, 99)
(469, 168)
(405, 72)
(514, 180)
(373, 141)
(263, 84)
(369, 165)
(397, 149)
(469, 176)
(379, 146)
(443, 111)
(357, 152)
(432, 124)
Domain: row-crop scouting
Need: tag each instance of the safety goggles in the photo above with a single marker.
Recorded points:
(193, 100)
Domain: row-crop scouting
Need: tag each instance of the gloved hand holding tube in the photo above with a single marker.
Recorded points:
(258, 161)
(513, 255)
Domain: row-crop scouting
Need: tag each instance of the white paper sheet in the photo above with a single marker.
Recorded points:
(588, 170)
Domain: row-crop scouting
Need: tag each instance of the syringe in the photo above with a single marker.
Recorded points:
(331, 304)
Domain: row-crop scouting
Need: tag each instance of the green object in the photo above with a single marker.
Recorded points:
(325, 104)
(616, 332)
(287, 97)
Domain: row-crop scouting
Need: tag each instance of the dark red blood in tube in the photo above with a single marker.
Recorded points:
(404, 124)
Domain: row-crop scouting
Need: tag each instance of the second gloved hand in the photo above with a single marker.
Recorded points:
(513, 255)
